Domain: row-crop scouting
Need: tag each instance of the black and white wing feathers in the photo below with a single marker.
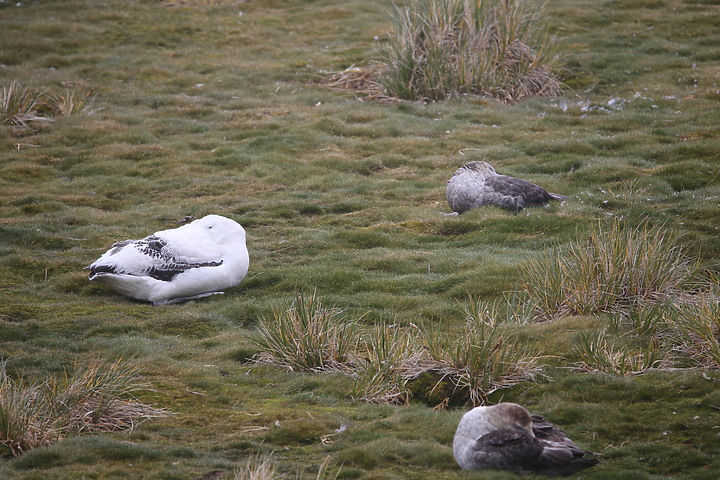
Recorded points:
(161, 258)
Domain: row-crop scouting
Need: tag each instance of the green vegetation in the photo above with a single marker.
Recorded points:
(256, 468)
(698, 327)
(20, 105)
(612, 271)
(163, 109)
(482, 359)
(24, 106)
(389, 363)
(445, 48)
(306, 336)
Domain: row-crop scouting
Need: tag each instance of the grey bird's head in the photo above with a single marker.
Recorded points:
(483, 169)
(511, 415)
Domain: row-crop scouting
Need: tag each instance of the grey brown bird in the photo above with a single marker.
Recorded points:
(477, 183)
(506, 437)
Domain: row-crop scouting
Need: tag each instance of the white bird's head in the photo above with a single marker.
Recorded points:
(221, 230)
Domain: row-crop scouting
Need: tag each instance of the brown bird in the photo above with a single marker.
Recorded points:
(506, 437)
(476, 184)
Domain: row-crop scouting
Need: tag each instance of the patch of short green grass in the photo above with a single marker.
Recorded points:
(200, 109)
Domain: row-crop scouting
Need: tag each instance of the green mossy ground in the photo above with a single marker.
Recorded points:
(215, 107)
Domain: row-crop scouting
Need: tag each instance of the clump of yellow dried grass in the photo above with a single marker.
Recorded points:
(96, 398)
(306, 336)
(363, 80)
(23, 106)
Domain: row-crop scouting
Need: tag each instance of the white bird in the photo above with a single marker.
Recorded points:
(505, 436)
(476, 184)
(170, 266)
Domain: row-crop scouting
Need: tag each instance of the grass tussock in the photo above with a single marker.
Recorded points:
(306, 336)
(362, 79)
(672, 335)
(614, 270)
(21, 106)
(23, 421)
(73, 100)
(96, 398)
(256, 468)
(389, 356)
(446, 48)
(600, 354)
(483, 358)
(262, 467)
(698, 327)
(474, 364)
(385, 360)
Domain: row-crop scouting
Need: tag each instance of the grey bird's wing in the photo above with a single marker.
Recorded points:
(517, 194)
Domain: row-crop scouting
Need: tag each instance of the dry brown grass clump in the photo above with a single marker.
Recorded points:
(698, 328)
(679, 334)
(256, 468)
(603, 354)
(72, 100)
(360, 79)
(96, 398)
(478, 361)
(483, 359)
(21, 106)
(388, 357)
(385, 359)
(447, 48)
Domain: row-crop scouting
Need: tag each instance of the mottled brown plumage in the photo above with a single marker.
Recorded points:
(476, 184)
